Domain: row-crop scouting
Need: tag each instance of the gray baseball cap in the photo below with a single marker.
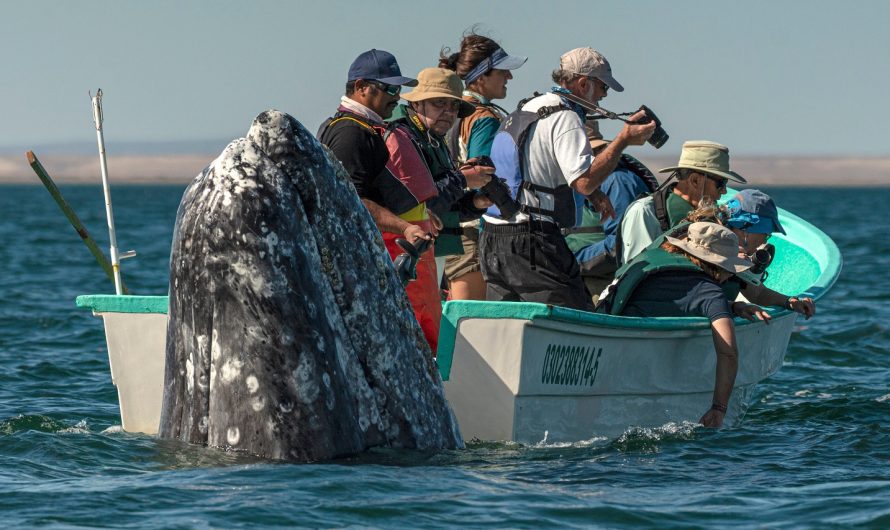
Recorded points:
(591, 63)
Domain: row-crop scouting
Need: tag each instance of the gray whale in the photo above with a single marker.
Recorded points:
(290, 335)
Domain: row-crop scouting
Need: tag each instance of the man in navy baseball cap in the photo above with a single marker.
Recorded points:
(355, 134)
(378, 65)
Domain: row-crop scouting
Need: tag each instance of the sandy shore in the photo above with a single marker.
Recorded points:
(180, 169)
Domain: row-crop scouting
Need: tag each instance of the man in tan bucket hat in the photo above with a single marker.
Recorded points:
(428, 190)
(702, 176)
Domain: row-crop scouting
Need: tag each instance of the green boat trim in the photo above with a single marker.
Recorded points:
(814, 257)
(110, 303)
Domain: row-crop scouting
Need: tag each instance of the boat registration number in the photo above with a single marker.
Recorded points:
(570, 365)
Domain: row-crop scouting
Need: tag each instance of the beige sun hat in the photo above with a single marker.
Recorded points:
(706, 157)
(589, 63)
(440, 83)
(715, 244)
(594, 135)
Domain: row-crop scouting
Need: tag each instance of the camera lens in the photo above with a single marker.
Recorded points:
(658, 138)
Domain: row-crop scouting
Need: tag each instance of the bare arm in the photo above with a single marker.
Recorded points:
(723, 333)
(764, 296)
(387, 221)
(607, 160)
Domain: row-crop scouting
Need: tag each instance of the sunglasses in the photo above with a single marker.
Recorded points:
(721, 182)
(596, 81)
(445, 104)
(392, 90)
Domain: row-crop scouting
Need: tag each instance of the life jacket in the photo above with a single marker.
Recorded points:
(508, 154)
(407, 181)
(407, 164)
(457, 145)
(651, 261)
(437, 160)
(605, 264)
(656, 259)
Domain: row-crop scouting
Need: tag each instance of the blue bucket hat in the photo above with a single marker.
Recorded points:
(378, 65)
(754, 212)
(498, 60)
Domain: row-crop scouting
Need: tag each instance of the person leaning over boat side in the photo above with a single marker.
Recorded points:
(595, 251)
(682, 278)
(525, 257)
(432, 108)
(753, 217)
(355, 135)
(702, 175)
(485, 69)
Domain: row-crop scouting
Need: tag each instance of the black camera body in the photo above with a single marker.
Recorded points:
(762, 257)
(497, 190)
(660, 136)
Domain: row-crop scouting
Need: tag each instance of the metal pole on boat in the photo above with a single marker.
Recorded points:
(109, 214)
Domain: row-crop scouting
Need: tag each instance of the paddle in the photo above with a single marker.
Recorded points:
(72, 217)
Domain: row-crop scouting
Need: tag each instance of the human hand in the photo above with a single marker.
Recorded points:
(436, 224)
(601, 203)
(476, 176)
(414, 233)
(805, 306)
(634, 133)
(481, 201)
(712, 418)
(750, 312)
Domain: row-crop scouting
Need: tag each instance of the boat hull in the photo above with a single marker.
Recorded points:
(576, 381)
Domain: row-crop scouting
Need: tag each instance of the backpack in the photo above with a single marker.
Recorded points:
(507, 152)
(605, 265)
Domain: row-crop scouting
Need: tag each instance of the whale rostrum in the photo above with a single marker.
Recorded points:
(290, 335)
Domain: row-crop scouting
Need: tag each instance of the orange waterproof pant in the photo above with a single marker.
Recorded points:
(423, 293)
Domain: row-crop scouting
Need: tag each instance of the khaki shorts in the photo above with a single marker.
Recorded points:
(457, 266)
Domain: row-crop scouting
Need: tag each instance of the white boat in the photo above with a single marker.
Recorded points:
(531, 372)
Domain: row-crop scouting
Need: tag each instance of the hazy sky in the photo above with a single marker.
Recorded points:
(764, 77)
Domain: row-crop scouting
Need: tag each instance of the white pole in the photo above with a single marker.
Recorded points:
(115, 258)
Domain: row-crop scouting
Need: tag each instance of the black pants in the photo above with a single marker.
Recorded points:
(520, 266)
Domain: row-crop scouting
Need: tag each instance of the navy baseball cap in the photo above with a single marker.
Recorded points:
(378, 65)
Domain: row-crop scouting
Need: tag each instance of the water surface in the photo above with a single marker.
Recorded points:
(813, 450)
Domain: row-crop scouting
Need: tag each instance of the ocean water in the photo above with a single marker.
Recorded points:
(813, 450)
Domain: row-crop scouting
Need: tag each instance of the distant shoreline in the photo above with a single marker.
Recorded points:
(182, 168)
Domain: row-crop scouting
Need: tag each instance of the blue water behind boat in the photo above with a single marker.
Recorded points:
(813, 450)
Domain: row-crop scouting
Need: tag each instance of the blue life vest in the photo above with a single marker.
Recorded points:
(507, 152)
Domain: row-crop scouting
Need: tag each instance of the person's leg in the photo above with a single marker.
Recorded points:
(494, 251)
(555, 277)
(465, 281)
(470, 286)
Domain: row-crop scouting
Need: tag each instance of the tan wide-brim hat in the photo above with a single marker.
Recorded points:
(715, 244)
(706, 157)
(592, 127)
(440, 83)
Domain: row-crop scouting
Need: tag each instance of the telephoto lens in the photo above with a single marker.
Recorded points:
(496, 189)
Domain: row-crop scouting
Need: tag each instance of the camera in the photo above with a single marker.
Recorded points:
(660, 136)
(497, 190)
(406, 262)
(762, 257)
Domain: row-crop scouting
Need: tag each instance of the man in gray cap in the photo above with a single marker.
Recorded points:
(524, 256)
(702, 176)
